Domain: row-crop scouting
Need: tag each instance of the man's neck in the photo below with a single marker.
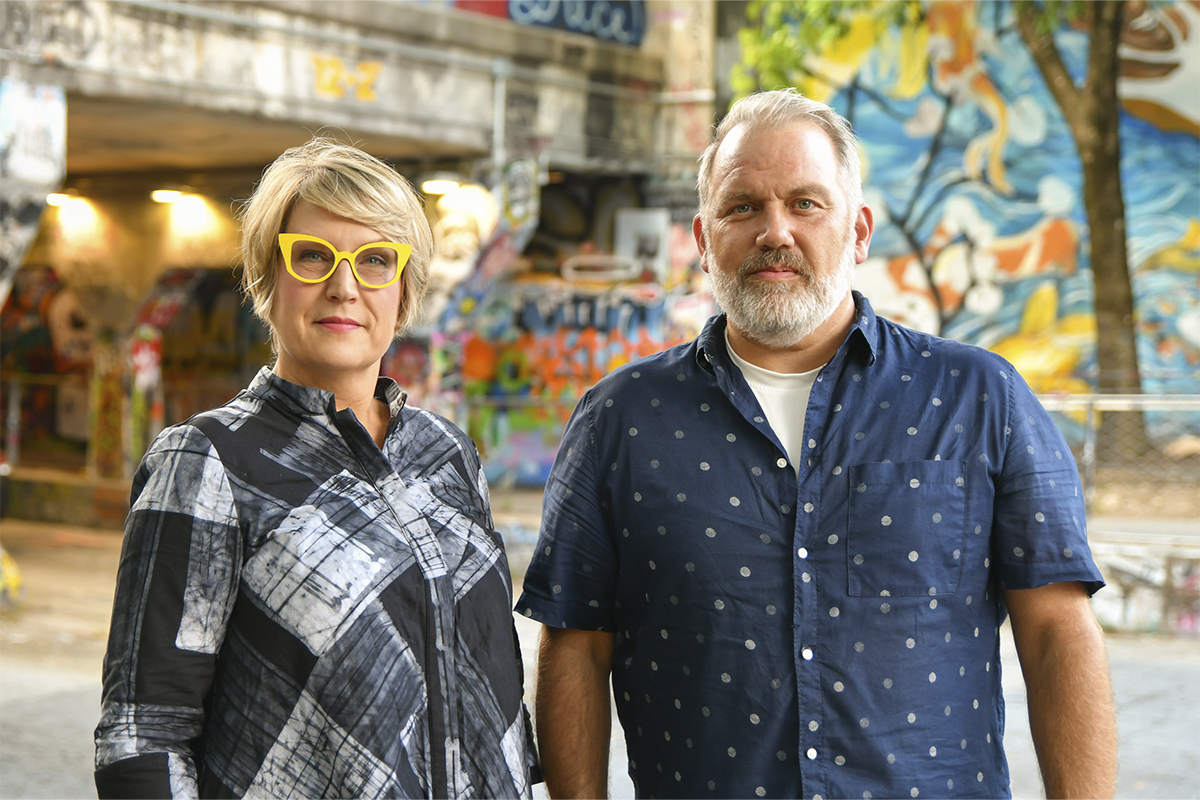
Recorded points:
(811, 352)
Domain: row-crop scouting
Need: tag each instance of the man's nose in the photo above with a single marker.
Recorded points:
(776, 229)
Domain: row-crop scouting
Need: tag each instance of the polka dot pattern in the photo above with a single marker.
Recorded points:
(740, 582)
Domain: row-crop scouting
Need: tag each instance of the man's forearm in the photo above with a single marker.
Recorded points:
(1070, 704)
(574, 721)
(1074, 731)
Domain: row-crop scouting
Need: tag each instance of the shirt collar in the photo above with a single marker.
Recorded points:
(308, 400)
(711, 349)
(865, 327)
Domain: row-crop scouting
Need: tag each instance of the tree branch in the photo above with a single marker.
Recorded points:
(1050, 64)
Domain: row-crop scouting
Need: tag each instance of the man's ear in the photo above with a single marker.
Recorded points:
(864, 226)
(701, 244)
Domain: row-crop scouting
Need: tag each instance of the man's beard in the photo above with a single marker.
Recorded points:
(778, 315)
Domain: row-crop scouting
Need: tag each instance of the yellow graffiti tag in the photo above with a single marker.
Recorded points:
(333, 79)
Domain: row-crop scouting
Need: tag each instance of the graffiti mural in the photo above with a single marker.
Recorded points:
(552, 303)
(981, 233)
(44, 332)
(33, 162)
(194, 345)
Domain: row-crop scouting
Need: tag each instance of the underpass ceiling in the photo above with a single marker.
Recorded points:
(113, 137)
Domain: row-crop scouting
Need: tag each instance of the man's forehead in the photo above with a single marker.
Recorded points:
(744, 135)
(797, 150)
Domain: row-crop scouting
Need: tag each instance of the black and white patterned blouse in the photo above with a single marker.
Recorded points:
(302, 614)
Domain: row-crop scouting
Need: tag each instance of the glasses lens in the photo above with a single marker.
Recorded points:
(311, 260)
(376, 264)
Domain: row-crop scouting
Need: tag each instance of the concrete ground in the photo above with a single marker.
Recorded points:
(51, 649)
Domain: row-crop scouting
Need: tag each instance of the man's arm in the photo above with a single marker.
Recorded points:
(574, 723)
(1065, 665)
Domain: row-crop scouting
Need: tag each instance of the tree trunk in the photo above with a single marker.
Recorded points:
(1093, 115)
(1122, 433)
(1099, 144)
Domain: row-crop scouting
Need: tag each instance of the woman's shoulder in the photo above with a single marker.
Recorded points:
(429, 434)
(418, 421)
(205, 430)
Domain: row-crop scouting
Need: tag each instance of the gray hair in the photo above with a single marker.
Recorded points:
(777, 108)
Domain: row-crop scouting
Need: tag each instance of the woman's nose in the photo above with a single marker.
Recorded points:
(342, 283)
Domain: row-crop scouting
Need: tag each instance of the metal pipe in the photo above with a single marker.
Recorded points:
(12, 426)
(1089, 458)
(500, 73)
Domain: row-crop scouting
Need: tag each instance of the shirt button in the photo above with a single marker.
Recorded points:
(781, 463)
(802, 552)
(806, 654)
(812, 753)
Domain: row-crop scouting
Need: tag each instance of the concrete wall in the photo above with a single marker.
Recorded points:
(445, 81)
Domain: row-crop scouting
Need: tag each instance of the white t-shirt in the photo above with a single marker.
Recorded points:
(784, 400)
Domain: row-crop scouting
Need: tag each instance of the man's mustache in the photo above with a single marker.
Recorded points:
(774, 261)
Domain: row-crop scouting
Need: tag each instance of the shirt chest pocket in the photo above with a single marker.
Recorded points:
(906, 528)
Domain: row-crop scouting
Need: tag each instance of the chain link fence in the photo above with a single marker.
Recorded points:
(1139, 459)
(1138, 455)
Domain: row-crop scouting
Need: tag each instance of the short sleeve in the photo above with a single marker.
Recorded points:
(176, 584)
(1039, 522)
(571, 580)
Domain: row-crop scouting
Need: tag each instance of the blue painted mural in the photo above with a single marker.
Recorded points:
(981, 233)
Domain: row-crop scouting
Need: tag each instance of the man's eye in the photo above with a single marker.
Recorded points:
(804, 204)
(741, 208)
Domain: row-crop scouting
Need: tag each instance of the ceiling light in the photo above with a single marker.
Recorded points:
(439, 186)
(57, 199)
(165, 195)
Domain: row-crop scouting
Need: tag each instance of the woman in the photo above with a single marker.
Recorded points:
(312, 601)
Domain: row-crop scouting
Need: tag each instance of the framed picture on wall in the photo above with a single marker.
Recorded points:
(644, 234)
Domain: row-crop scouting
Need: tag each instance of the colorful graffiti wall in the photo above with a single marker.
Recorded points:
(552, 302)
(193, 345)
(975, 182)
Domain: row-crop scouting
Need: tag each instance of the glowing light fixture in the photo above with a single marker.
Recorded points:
(192, 215)
(78, 217)
(57, 199)
(165, 195)
(439, 185)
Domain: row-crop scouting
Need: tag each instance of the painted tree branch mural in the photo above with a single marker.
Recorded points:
(999, 148)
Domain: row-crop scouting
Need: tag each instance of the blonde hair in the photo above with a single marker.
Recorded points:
(344, 181)
(774, 109)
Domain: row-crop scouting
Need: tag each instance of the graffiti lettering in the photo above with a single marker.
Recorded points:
(611, 20)
(54, 29)
(332, 79)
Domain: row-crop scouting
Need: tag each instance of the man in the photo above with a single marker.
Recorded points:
(792, 542)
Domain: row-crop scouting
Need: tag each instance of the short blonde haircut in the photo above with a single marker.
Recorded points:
(346, 182)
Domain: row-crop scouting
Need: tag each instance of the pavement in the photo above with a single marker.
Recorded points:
(52, 645)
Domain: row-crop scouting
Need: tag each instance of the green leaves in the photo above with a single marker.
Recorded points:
(783, 33)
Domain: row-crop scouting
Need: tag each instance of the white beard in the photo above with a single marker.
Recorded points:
(777, 315)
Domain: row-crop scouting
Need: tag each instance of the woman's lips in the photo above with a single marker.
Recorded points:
(338, 324)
